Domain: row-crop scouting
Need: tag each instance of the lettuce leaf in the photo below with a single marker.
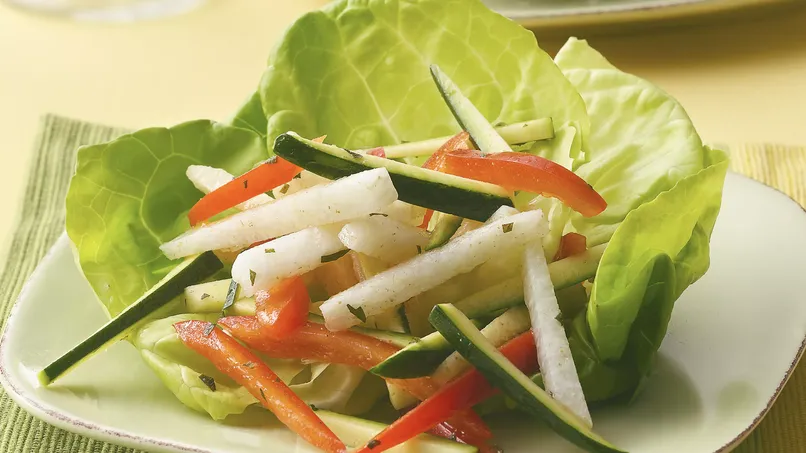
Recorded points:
(340, 388)
(130, 195)
(641, 142)
(664, 191)
(358, 71)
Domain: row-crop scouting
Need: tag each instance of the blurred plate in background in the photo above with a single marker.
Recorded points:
(574, 13)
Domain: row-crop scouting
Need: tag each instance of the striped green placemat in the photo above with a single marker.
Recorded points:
(42, 221)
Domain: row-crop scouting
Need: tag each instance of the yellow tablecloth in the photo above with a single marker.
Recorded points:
(741, 81)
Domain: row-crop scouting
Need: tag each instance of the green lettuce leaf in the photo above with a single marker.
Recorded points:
(250, 115)
(130, 195)
(358, 71)
(664, 191)
(641, 142)
(340, 388)
(179, 368)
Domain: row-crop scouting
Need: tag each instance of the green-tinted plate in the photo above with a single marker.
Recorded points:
(577, 13)
(734, 338)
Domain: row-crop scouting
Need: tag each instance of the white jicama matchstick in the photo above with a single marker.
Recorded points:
(348, 198)
(553, 352)
(384, 238)
(263, 266)
(423, 272)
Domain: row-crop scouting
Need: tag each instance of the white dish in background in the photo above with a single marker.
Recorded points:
(572, 13)
(733, 341)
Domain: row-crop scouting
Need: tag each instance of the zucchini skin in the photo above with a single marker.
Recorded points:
(202, 266)
(447, 320)
(428, 194)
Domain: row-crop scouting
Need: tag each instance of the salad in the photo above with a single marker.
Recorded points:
(418, 208)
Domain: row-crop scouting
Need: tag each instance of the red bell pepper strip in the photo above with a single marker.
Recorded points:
(521, 171)
(266, 176)
(315, 342)
(571, 244)
(464, 392)
(248, 370)
(379, 152)
(283, 309)
(436, 162)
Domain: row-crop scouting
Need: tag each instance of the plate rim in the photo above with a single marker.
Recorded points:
(125, 438)
(642, 12)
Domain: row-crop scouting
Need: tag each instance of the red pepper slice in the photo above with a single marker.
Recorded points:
(437, 162)
(283, 309)
(266, 176)
(521, 171)
(460, 394)
(246, 369)
(571, 244)
(379, 152)
(314, 342)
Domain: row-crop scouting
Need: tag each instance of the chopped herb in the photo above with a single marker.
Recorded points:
(277, 379)
(270, 251)
(334, 256)
(263, 395)
(378, 213)
(373, 443)
(249, 365)
(204, 296)
(245, 183)
(354, 154)
(284, 189)
(500, 124)
(232, 292)
(298, 175)
(252, 275)
(358, 312)
(507, 227)
(271, 195)
(419, 250)
(208, 381)
(209, 329)
(314, 408)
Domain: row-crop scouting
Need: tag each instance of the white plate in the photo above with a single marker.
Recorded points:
(734, 339)
(569, 13)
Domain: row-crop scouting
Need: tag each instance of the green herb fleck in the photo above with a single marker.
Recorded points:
(232, 292)
(378, 213)
(271, 195)
(334, 256)
(373, 443)
(204, 296)
(354, 154)
(419, 250)
(298, 175)
(284, 189)
(250, 365)
(314, 408)
(252, 275)
(500, 124)
(507, 227)
(209, 329)
(270, 251)
(358, 312)
(245, 183)
(208, 381)
(263, 395)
